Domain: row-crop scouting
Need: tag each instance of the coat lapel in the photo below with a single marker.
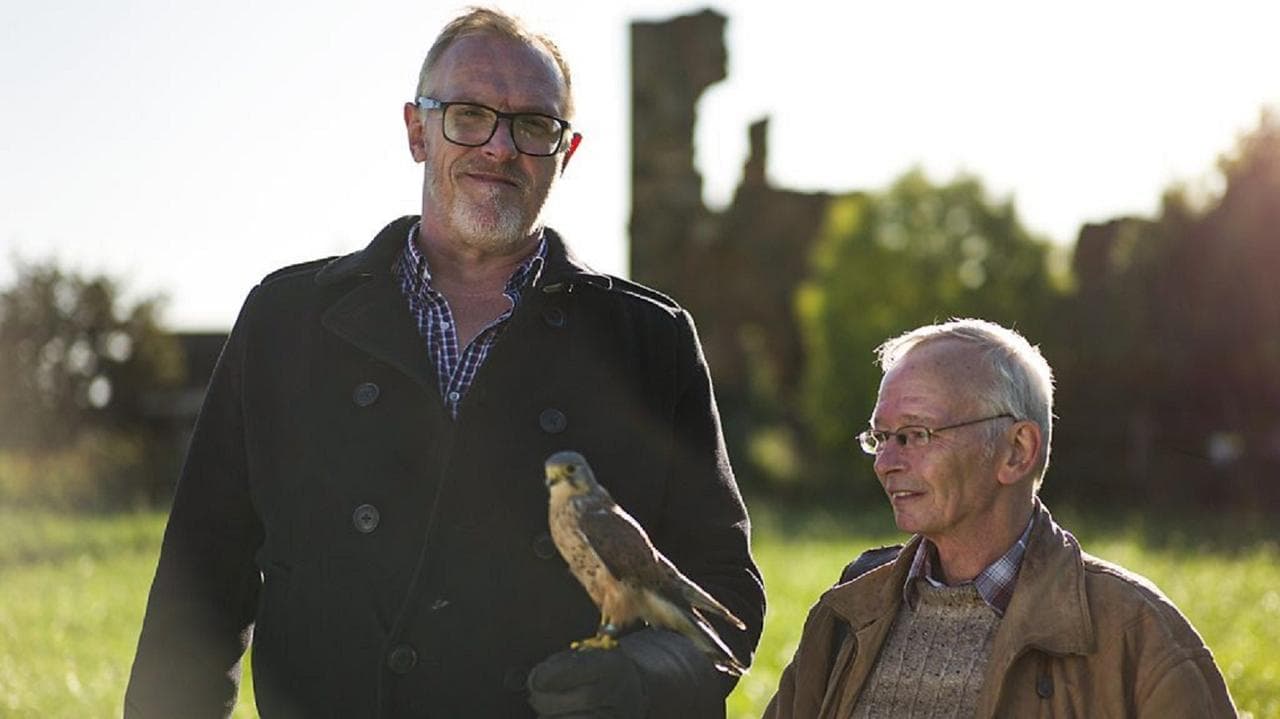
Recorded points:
(1049, 611)
(870, 615)
(372, 313)
(375, 318)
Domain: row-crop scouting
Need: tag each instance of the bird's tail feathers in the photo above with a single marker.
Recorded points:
(686, 619)
(700, 599)
(714, 647)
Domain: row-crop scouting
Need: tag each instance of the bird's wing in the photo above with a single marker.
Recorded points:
(624, 548)
(681, 589)
(619, 541)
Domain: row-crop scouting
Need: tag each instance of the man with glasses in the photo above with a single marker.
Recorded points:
(991, 609)
(363, 495)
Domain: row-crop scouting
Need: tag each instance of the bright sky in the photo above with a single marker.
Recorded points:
(191, 148)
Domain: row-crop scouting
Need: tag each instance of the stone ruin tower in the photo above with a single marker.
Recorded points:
(737, 271)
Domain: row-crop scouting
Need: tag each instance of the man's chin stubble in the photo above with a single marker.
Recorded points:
(492, 230)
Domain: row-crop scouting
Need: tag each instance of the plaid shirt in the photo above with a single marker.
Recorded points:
(994, 584)
(456, 369)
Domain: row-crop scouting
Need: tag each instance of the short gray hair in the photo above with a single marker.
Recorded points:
(1021, 379)
(491, 21)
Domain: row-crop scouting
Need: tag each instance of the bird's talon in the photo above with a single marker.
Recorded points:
(599, 641)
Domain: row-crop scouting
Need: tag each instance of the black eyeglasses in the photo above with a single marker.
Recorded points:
(873, 441)
(471, 124)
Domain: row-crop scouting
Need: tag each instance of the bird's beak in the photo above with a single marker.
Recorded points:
(555, 474)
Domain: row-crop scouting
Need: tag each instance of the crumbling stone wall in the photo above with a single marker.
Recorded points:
(737, 271)
(672, 63)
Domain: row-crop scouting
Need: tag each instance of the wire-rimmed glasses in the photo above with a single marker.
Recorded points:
(873, 441)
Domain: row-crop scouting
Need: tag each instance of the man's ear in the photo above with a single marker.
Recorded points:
(1024, 442)
(414, 130)
(574, 141)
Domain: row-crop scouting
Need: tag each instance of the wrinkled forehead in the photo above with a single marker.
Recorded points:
(933, 381)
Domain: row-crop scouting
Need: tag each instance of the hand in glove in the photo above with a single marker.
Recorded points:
(652, 673)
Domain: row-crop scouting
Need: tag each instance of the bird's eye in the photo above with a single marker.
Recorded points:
(571, 469)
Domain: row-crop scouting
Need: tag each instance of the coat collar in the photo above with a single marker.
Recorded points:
(1050, 605)
(1049, 609)
(562, 270)
(371, 313)
(874, 594)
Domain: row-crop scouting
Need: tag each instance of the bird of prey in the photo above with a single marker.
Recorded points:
(625, 575)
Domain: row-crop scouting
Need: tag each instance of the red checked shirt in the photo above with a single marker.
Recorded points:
(456, 368)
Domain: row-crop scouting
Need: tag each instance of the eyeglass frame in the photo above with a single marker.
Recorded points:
(866, 437)
(430, 103)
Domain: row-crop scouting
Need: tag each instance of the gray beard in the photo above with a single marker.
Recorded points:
(491, 224)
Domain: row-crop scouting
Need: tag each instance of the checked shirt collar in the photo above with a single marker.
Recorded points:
(994, 584)
(456, 367)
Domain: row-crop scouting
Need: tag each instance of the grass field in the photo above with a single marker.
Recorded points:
(72, 591)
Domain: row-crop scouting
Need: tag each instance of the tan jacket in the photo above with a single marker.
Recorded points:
(1081, 638)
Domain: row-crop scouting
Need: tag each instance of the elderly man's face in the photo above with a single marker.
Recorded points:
(945, 490)
(488, 198)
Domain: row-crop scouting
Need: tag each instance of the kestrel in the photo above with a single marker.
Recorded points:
(624, 574)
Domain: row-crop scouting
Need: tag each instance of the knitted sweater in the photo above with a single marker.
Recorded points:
(935, 658)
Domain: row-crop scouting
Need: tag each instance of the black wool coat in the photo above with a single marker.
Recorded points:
(388, 561)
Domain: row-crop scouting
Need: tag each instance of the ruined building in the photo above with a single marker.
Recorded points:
(736, 270)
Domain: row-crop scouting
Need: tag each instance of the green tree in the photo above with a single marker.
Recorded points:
(887, 262)
(75, 357)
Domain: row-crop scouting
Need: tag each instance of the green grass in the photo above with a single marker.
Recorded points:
(72, 592)
(73, 588)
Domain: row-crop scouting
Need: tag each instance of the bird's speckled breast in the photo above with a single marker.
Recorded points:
(583, 562)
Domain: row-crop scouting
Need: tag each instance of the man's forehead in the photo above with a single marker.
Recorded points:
(920, 405)
(502, 67)
(931, 382)
(945, 353)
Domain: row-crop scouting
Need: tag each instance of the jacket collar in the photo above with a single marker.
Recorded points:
(1050, 606)
(562, 269)
(371, 313)
(874, 594)
(1049, 609)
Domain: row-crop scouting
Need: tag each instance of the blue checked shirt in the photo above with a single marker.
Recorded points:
(456, 368)
(994, 584)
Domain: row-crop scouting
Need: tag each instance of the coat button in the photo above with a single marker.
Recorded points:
(365, 394)
(514, 678)
(365, 518)
(552, 421)
(402, 659)
(553, 316)
(1044, 686)
(544, 547)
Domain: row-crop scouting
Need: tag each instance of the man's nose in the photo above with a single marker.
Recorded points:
(501, 145)
(889, 457)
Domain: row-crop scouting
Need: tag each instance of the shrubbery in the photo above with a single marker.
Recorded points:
(78, 367)
(98, 471)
